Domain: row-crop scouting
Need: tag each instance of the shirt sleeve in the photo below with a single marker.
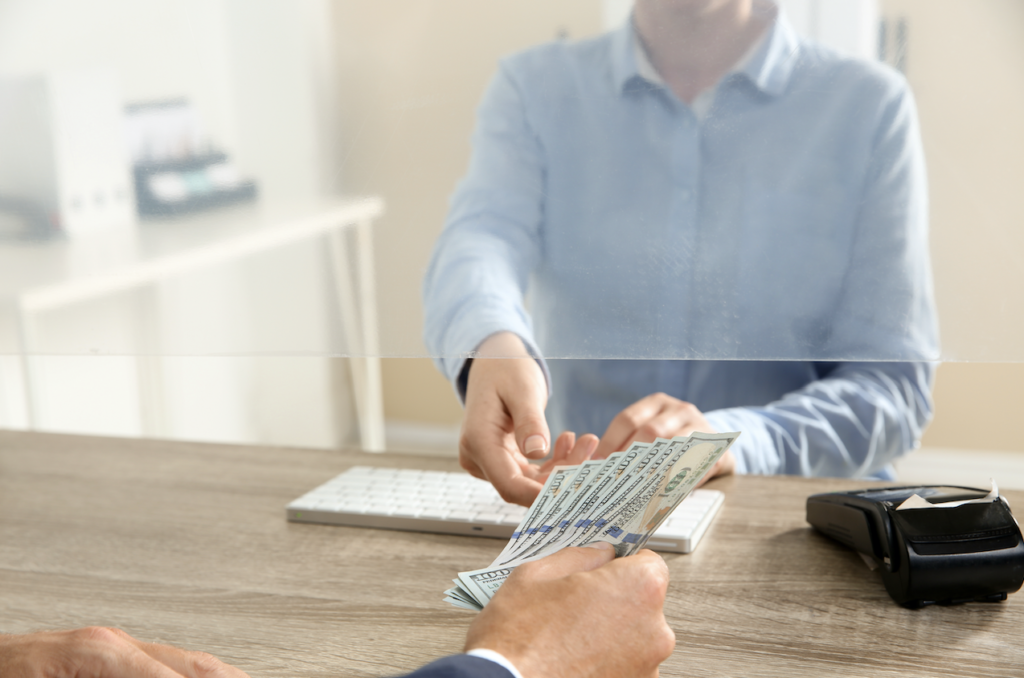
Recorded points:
(853, 423)
(497, 658)
(463, 666)
(861, 415)
(477, 277)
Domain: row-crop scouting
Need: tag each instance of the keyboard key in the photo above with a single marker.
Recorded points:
(352, 508)
(461, 516)
(495, 518)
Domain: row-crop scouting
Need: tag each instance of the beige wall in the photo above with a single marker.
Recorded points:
(414, 391)
(965, 62)
(977, 407)
(412, 72)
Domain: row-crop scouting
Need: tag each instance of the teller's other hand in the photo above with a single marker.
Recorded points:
(568, 451)
(504, 427)
(660, 416)
(580, 612)
(99, 652)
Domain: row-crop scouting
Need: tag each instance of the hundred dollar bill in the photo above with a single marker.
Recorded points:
(557, 481)
(629, 508)
(678, 485)
(457, 592)
(636, 473)
(483, 584)
(595, 493)
(641, 517)
(622, 500)
(459, 598)
(641, 481)
(593, 515)
(545, 524)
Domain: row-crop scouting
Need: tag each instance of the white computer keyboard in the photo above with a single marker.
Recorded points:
(457, 503)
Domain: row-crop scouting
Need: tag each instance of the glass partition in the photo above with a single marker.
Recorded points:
(805, 207)
(829, 181)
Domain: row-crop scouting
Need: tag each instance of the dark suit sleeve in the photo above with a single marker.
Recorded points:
(461, 666)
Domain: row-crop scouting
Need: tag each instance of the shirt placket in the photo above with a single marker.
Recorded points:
(686, 169)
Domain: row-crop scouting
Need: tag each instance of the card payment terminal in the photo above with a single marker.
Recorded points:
(960, 544)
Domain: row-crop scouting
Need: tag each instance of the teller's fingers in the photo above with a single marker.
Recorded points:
(673, 420)
(697, 424)
(511, 474)
(583, 450)
(470, 466)
(564, 444)
(626, 423)
(485, 448)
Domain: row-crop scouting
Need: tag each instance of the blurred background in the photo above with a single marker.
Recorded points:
(177, 184)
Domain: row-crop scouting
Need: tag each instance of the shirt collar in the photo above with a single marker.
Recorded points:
(768, 67)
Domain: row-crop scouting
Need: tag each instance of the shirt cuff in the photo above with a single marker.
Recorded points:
(497, 658)
(754, 448)
(461, 380)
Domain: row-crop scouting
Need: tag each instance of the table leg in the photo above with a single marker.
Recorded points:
(149, 363)
(371, 345)
(360, 328)
(29, 378)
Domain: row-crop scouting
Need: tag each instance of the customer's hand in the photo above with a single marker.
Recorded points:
(98, 652)
(659, 416)
(504, 425)
(580, 613)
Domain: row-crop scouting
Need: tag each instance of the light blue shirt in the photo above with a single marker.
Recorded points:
(768, 263)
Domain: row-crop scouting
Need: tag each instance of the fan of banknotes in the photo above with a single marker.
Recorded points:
(621, 500)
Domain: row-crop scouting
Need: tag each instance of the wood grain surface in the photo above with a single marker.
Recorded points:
(188, 544)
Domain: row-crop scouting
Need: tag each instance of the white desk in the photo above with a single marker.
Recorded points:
(40, 277)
